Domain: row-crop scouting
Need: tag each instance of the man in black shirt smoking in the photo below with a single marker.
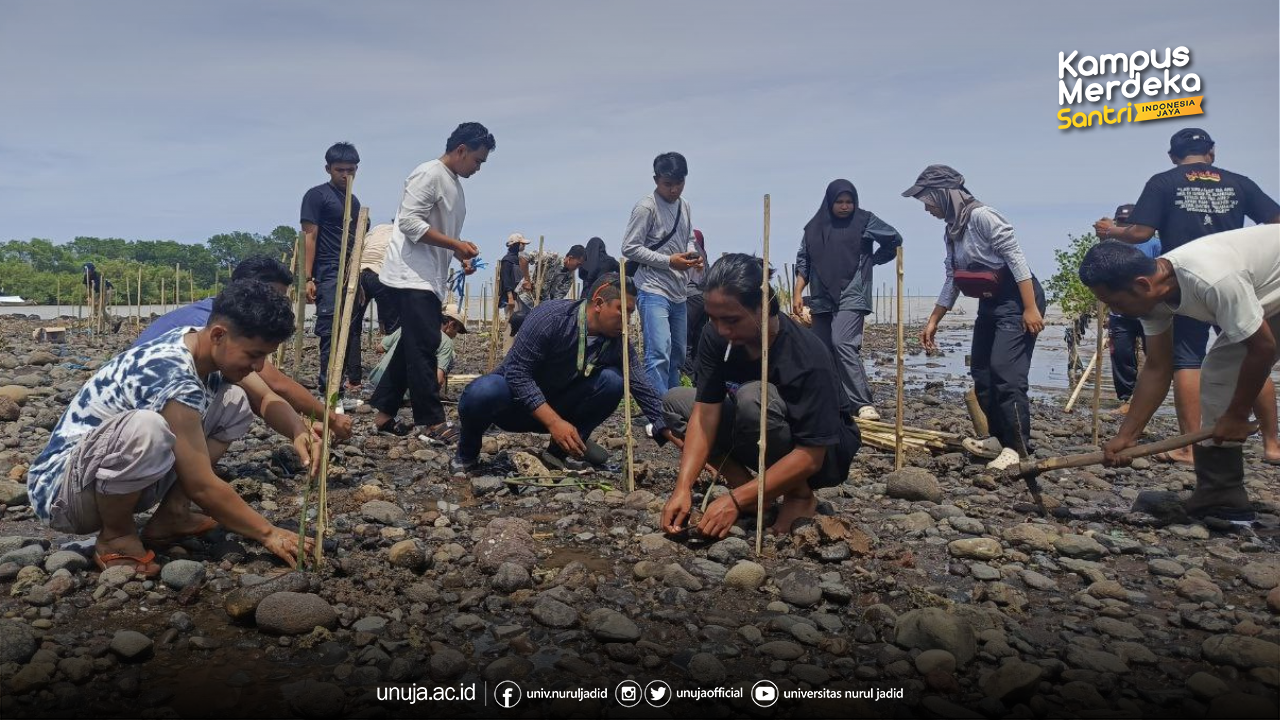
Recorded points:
(1194, 199)
(810, 439)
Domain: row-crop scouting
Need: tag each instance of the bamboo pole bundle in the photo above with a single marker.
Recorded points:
(337, 358)
(764, 383)
(626, 371)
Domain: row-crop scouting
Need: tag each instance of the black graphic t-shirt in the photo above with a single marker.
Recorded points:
(1198, 199)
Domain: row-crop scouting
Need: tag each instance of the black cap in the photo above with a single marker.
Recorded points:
(1190, 141)
(1124, 211)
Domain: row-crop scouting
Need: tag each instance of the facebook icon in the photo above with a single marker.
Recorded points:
(507, 694)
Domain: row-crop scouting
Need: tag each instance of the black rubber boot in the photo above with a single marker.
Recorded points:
(1219, 489)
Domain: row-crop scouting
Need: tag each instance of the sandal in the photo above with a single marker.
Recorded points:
(446, 433)
(144, 564)
(394, 427)
(163, 542)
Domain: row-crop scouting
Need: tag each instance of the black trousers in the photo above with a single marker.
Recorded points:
(696, 316)
(1125, 334)
(327, 297)
(413, 363)
(1001, 361)
(372, 289)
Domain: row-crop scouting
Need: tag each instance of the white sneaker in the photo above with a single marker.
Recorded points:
(987, 449)
(1007, 458)
(868, 412)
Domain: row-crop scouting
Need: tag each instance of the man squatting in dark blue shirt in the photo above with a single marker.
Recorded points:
(563, 376)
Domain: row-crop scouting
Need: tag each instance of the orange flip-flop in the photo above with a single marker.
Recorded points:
(167, 541)
(144, 564)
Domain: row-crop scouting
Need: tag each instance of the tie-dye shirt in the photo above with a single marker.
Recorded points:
(144, 377)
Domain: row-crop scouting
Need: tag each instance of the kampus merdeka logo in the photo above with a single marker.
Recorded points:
(1153, 74)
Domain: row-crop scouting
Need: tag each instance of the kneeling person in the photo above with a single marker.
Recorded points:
(1231, 280)
(562, 376)
(810, 439)
(152, 422)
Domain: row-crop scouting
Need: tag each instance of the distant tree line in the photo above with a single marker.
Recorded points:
(34, 269)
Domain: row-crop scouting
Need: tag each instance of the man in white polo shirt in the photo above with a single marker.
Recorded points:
(1231, 280)
(425, 236)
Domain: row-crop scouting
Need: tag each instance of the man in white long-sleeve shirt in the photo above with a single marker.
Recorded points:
(659, 239)
(426, 234)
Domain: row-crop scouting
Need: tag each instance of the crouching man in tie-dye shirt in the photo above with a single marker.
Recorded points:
(149, 426)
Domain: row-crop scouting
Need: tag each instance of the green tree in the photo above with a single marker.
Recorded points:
(1076, 300)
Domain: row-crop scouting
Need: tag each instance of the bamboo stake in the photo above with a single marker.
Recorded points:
(1097, 373)
(163, 309)
(88, 297)
(177, 284)
(626, 370)
(537, 288)
(57, 310)
(1084, 377)
(299, 303)
(337, 359)
(899, 455)
(493, 326)
(138, 320)
(764, 382)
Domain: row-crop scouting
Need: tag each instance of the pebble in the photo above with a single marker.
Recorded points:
(935, 661)
(408, 554)
(1161, 567)
(975, 548)
(381, 511)
(1079, 546)
(1240, 651)
(506, 539)
(706, 669)
(1012, 682)
(781, 650)
(1263, 576)
(935, 628)
(131, 646)
(1206, 686)
(243, 602)
(1273, 600)
(510, 577)
(17, 642)
(554, 614)
(915, 484)
(1199, 590)
(24, 556)
(612, 626)
(746, 575)
(73, 561)
(799, 588)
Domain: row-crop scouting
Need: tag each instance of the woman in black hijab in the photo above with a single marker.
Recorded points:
(597, 262)
(837, 253)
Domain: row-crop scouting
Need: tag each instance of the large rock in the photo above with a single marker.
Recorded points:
(1095, 660)
(799, 588)
(410, 554)
(936, 629)
(511, 577)
(729, 550)
(1030, 536)
(40, 358)
(72, 561)
(781, 650)
(16, 393)
(507, 539)
(131, 646)
(13, 493)
(381, 511)
(553, 613)
(24, 556)
(292, 613)
(1013, 682)
(446, 663)
(242, 603)
(1240, 651)
(1079, 546)
(746, 575)
(975, 548)
(9, 410)
(912, 483)
(706, 669)
(1199, 590)
(17, 642)
(1262, 575)
(31, 678)
(612, 626)
(179, 574)
(314, 699)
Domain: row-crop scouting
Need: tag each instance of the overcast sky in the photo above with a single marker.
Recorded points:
(161, 120)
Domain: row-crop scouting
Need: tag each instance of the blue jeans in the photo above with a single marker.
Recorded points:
(663, 323)
(487, 401)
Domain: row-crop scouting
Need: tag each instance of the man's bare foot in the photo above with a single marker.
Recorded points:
(1123, 409)
(1271, 452)
(792, 509)
(172, 528)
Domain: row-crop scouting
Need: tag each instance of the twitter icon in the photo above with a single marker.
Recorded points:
(657, 693)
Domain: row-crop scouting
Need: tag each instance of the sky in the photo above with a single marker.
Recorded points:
(161, 120)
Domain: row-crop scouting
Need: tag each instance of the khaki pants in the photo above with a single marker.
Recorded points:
(133, 452)
(1218, 376)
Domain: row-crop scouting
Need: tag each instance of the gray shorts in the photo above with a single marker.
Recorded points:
(133, 452)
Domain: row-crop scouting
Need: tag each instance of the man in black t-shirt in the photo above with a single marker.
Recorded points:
(323, 208)
(1195, 199)
(810, 439)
